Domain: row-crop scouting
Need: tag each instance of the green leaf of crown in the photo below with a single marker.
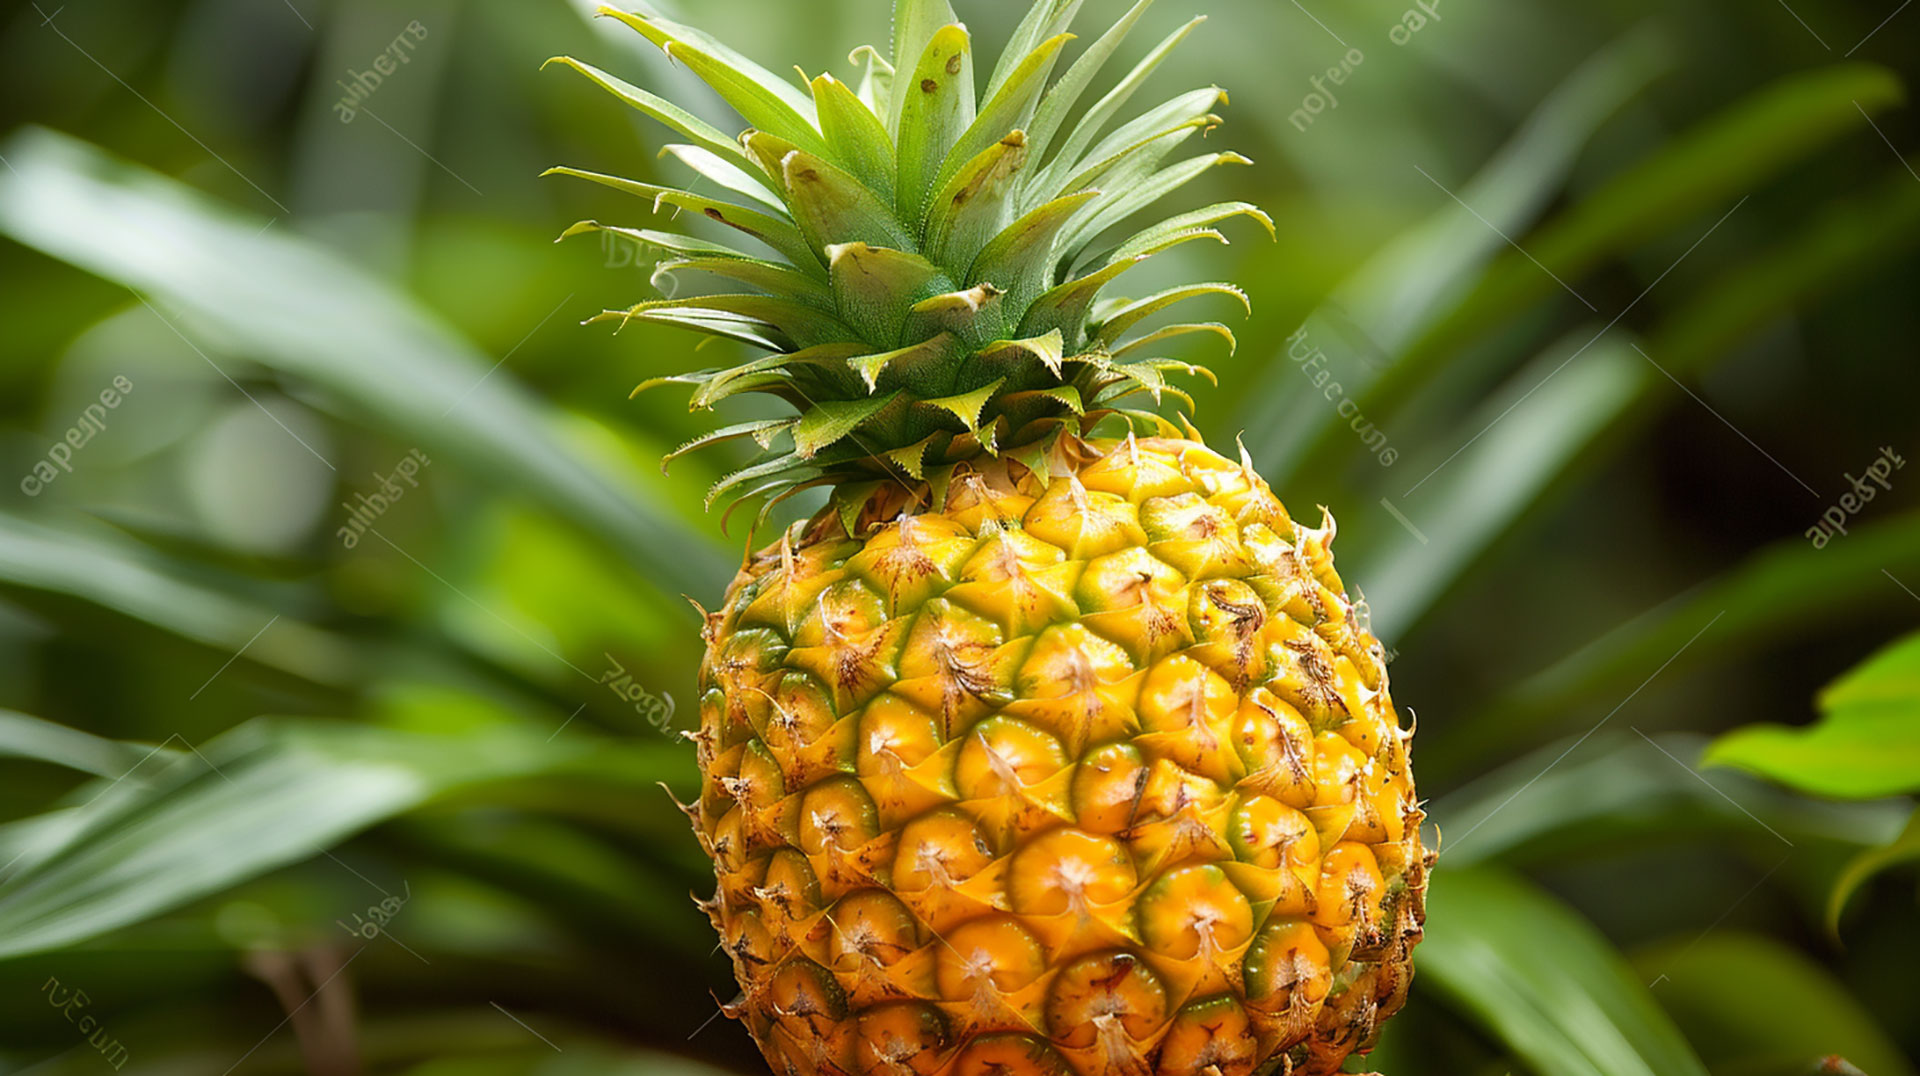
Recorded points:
(937, 256)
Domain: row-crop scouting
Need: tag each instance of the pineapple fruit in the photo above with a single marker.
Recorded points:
(1053, 743)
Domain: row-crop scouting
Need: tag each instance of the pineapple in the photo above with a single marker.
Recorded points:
(1052, 744)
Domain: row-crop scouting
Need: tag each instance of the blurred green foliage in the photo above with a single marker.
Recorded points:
(1866, 744)
(1625, 285)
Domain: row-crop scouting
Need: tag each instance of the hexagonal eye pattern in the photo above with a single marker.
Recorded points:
(1092, 775)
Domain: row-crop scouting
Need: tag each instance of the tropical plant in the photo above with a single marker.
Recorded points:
(449, 854)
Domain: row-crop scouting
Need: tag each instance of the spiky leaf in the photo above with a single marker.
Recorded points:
(935, 293)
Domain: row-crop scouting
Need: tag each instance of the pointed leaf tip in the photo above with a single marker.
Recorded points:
(967, 406)
(578, 228)
(833, 420)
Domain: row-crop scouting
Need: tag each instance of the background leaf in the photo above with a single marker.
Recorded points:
(1542, 980)
(1902, 849)
(22, 736)
(292, 304)
(384, 281)
(264, 795)
(1866, 744)
(1753, 1005)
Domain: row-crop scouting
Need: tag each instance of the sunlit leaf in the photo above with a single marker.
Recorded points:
(762, 98)
(915, 24)
(832, 207)
(1128, 198)
(937, 105)
(1044, 20)
(1866, 743)
(1007, 108)
(1088, 127)
(727, 174)
(1020, 260)
(967, 211)
(1145, 140)
(686, 123)
(777, 232)
(1066, 92)
(1902, 849)
(1116, 322)
(855, 133)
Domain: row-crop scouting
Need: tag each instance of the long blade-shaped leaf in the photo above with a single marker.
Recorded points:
(915, 22)
(776, 232)
(1113, 325)
(1047, 182)
(133, 580)
(855, 133)
(1148, 238)
(762, 98)
(1044, 20)
(725, 173)
(1007, 110)
(1144, 134)
(27, 737)
(1066, 92)
(671, 242)
(1751, 1003)
(1020, 260)
(265, 795)
(1421, 276)
(936, 106)
(1129, 198)
(974, 203)
(1533, 433)
(1788, 586)
(799, 325)
(762, 430)
(1544, 982)
(1559, 806)
(688, 124)
(1699, 171)
(767, 276)
(311, 314)
(1706, 170)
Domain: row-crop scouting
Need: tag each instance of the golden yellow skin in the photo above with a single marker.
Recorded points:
(1095, 776)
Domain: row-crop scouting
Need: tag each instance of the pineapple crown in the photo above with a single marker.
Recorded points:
(939, 257)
